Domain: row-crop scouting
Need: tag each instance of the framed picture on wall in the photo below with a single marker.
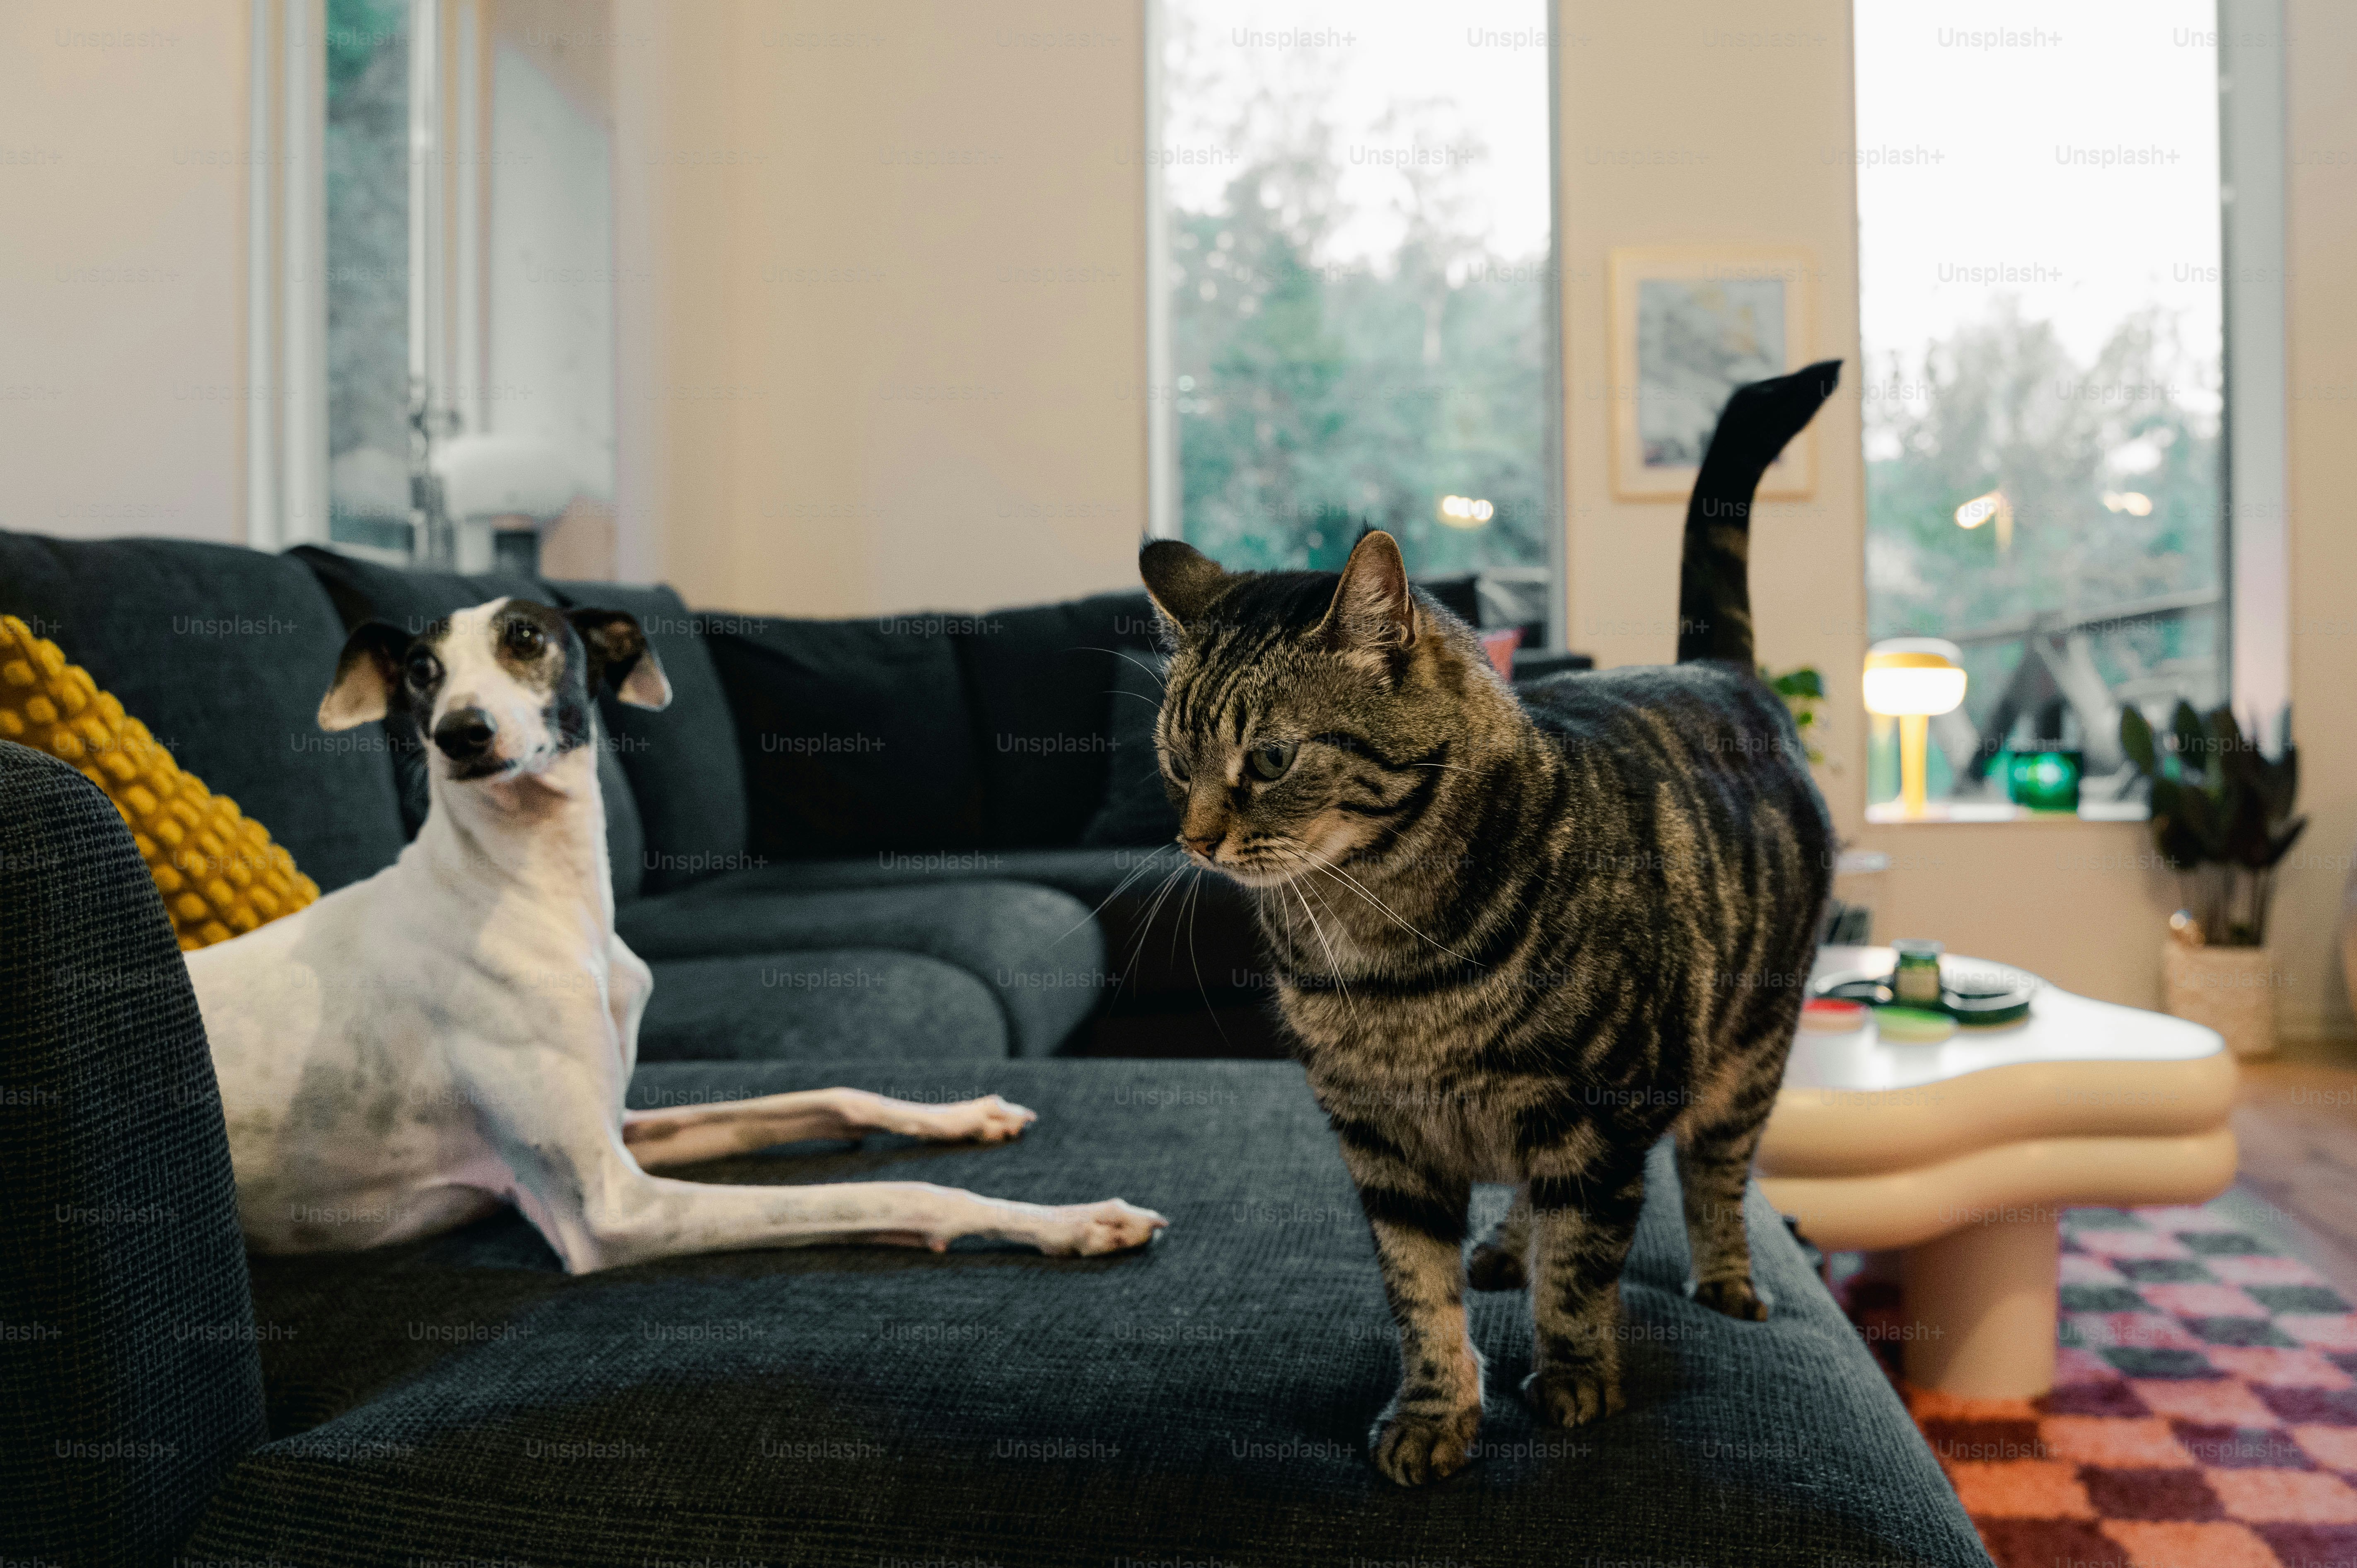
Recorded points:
(1690, 324)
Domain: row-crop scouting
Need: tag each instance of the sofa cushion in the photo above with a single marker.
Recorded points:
(855, 1001)
(1207, 1398)
(1036, 680)
(223, 653)
(857, 736)
(415, 599)
(685, 763)
(1038, 950)
(1173, 935)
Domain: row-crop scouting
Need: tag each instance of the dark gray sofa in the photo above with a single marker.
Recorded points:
(164, 1399)
(462, 1400)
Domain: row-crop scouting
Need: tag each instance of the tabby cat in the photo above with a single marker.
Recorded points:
(1515, 940)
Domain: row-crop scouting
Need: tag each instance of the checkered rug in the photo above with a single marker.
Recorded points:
(2204, 1414)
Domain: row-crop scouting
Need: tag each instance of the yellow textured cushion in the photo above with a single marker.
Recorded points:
(220, 874)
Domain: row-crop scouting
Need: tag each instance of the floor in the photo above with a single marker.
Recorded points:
(2296, 1123)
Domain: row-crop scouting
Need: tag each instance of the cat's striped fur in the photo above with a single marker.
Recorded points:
(1515, 941)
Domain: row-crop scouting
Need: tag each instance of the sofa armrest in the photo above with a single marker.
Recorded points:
(129, 1381)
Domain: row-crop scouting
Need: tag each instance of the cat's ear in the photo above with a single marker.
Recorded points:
(1374, 613)
(1181, 579)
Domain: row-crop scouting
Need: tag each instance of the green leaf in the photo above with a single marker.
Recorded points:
(2136, 739)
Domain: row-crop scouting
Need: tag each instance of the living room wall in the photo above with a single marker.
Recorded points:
(882, 301)
(122, 139)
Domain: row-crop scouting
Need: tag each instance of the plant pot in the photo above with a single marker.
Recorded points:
(2231, 990)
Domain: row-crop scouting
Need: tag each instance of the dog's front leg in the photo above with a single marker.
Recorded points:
(553, 1128)
(681, 1135)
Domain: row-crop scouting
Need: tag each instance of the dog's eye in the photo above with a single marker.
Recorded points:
(1271, 759)
(526, 640)
(422, 670)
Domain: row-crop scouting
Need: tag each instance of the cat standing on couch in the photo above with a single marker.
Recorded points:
(1515, 941)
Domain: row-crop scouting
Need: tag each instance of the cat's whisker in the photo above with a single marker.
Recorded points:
(1137, 948)
(1353, 884)
(1196, 964)
(1333, 961)
(1143, 867)
(1159, 679)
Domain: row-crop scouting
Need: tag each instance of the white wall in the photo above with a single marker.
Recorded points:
(123, 137)
(883, 309)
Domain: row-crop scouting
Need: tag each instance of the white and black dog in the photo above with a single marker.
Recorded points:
(457, 1032)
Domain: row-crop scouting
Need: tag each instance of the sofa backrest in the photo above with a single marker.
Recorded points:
(223, 653)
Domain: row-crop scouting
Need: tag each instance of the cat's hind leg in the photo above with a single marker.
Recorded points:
(1501, 1257)
(1716, 1145)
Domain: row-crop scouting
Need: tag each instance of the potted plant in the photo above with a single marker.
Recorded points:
(2221, 818)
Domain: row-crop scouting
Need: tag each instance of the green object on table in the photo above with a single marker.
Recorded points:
(1912, 1026)
(1916, 982)
(2043, 780)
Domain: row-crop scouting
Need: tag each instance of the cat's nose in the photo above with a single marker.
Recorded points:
(1202, 846)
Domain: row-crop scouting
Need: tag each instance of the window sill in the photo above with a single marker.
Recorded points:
(1888, 814)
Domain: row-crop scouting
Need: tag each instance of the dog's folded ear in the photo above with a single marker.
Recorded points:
(367, 672)
(618, 653)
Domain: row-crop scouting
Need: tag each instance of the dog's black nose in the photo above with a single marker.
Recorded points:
(465, 734)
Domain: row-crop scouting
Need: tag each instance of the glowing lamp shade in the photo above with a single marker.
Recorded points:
(1912, 675)
(1911, 679)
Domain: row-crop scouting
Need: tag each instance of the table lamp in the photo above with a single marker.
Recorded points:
(1911, 679)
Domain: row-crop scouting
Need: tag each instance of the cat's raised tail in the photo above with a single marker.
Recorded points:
(1715, 573)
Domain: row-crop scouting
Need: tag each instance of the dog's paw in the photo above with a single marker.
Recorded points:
(1573, 1396)
(1494, 1268)
(990, 1119)
(1732, 1298)
(1084, 1229)
(1411, 1450)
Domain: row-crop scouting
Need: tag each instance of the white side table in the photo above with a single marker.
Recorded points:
(1963, 1155)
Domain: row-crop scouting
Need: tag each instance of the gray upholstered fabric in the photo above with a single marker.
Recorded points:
(856, 1002)
(1206, 1399)
(684, 762)
(128, 1378)
(1037, 948)
(224, 654)
(1174, 937)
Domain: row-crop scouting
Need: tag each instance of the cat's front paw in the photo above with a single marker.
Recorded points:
(1492, 1267)
(1732, 1298)
(1414, 1449)
(1574, 1396)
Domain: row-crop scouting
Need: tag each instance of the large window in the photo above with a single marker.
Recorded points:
(469, 282)
(2040, 288)
(1357, 251)
(368, 273)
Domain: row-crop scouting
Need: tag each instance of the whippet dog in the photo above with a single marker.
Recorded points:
(456, 1033)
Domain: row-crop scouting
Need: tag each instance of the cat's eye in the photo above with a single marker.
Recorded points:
(1271, 758)
(422, 670)
(1178, 766)
(526, 640)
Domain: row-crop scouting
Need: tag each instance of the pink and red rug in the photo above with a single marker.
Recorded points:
(2204, 1414)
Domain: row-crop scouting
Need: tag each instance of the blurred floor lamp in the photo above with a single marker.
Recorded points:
(1911, 679)
(507, 483)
